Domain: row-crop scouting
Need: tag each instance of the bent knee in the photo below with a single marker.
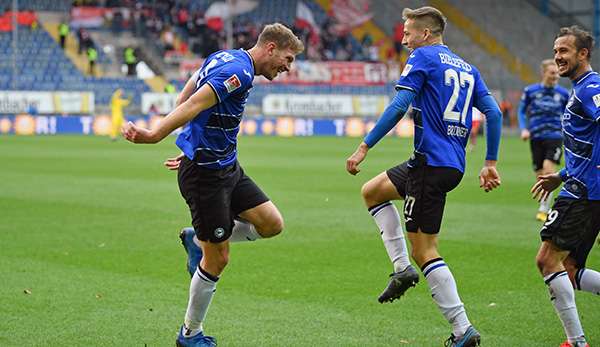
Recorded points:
(273, 228)
(369, 194)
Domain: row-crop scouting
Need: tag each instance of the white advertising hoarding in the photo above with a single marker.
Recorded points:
(46, 102)
(163, 102)
(324, 105)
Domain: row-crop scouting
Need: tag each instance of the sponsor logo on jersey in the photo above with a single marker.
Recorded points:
(232, 83)
(596, 99)
(406, 70)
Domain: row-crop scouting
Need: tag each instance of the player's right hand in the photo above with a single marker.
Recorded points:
(173, 163)
(356, 158)
(489, 178)
(525, 135)
(545, 185)
(135, 134)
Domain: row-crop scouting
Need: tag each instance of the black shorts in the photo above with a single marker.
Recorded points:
(424, 189)
(216, 197)
(545, 150)
(573, 225)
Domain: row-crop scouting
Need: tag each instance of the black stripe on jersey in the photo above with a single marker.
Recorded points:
(576, 107)
(417, 117)
(546, 127)
(578, 147)
(223, 122)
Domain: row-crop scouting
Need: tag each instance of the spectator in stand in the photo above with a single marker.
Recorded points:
(92, 56)
(130, 60)
(63, 31)
(170, 88)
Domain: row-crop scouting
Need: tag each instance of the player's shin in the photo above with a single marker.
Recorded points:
(202, 289)
(388, 220)
(445, 294)
(562, 296)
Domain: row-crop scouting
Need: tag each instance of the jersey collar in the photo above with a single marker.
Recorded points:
(251, 59)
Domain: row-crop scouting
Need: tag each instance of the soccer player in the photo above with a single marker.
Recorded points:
(117, 103)
(210, 178)
(442, 89)
(540, 109)
(574, 220)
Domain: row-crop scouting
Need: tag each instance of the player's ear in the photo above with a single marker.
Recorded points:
(426, 34)
(271, 46)
(582, 54)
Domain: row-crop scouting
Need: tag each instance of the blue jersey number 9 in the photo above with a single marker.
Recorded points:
(458, 83)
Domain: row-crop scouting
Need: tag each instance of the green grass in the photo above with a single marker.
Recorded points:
(90, 229)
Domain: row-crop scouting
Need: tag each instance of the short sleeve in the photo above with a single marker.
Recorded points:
(230, 80)
(590, 99)
(415, 72)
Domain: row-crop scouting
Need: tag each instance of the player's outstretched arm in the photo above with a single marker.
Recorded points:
(390, 117)
(203, 99)
(489, 178)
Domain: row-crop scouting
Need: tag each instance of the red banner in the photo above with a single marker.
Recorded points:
(336, 73)
(87, 16)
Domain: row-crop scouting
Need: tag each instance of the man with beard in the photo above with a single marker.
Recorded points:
(574, 220)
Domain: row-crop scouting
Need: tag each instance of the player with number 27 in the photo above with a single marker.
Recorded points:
(441, 90)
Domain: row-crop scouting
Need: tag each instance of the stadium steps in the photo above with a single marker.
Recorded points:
(486, 41)
(80, 61)
(379, 37)
(157, 83)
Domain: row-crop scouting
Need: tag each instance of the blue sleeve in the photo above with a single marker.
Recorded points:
(392, 114)
(228, 81)
(590, 100)
(493, 120)
(564, 175)
(415, 72)
(521, 116)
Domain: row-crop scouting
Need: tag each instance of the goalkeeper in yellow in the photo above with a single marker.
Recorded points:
(117, 103)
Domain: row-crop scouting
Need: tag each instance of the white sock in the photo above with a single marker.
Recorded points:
(244, 231)
(545, 204)
(202, 289)
(562, 296)
(588, 280)
(388, 220)
(444, 293)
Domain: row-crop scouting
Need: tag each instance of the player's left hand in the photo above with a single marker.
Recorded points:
(173, 163)
(545, 185)
(356, 158)
(489, 178)
(135, 134)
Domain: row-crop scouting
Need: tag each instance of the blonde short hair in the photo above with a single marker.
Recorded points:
(281, 36)
(427, 17)
(545, 63)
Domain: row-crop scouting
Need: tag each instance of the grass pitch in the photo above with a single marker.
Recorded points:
(90, 255)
